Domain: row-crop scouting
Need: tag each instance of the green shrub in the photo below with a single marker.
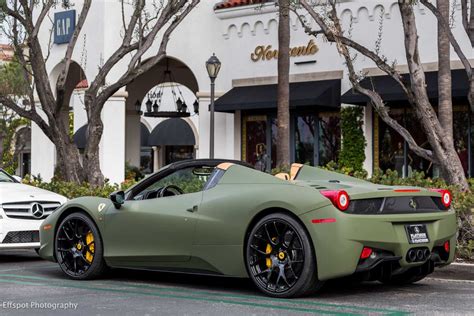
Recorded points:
(73, 190)
(352, 154)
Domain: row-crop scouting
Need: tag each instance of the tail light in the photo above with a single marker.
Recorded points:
(339, 198)
(447, 246)
(446, 198)
(366, 252)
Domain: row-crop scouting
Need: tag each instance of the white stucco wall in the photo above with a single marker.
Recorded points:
(233, 35)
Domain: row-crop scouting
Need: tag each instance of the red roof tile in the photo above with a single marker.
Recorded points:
(83, 84)
(237, 3)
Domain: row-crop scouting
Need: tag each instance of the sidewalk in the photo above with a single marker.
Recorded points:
(455, 271)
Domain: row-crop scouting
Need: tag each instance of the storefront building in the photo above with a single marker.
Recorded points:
(243, 34)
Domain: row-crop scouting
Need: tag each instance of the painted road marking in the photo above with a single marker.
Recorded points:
(195, 298)
(209, 293)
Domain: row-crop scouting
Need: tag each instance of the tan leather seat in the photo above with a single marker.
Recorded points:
(295, 168)
(283, 176)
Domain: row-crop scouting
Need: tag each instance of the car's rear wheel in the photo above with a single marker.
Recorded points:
(280, 257)
(78, 247)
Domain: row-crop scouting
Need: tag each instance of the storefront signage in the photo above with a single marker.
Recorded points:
(267, 52)
(64, 26)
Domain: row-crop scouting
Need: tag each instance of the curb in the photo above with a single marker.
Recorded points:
(455, 271)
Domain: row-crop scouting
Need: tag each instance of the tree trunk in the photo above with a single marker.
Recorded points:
(68, 167)
(283, 118)
(445, 105)
(94, 134)
(443, 148)
(470, 30)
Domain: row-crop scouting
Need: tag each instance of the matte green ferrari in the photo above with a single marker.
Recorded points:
(289, 233)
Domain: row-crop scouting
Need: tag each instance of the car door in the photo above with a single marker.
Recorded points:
(154, 231)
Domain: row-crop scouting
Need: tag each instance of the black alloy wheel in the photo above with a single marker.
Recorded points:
(78, 247)
(280, 258)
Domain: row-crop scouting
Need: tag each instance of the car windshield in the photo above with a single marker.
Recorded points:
(4, 177)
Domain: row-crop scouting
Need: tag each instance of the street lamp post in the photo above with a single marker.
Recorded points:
(213, 65)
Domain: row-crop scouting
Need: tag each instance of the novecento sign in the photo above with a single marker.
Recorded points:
(64, 26)
(266, 52)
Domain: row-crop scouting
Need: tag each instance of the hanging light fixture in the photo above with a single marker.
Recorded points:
(148, 105)
(179, 105)
(196, 106)
(138, 107)
(153, 108)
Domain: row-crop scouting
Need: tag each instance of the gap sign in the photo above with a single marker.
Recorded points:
(64, 26)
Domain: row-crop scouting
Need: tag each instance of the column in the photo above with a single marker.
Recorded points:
(156, 158)
(112, 144)
(43, 151)
(224, 130)
(204, 124)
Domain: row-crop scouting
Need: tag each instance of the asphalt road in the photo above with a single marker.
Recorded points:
(30, 286)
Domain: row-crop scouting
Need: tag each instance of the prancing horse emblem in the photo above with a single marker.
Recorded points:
(101, 207)
(412, 204)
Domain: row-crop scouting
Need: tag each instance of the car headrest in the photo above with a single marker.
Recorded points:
(295, 168)
(283, 176)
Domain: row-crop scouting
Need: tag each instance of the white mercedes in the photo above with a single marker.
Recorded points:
(22, 209)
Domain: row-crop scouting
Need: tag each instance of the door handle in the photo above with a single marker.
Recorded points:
(193, 209)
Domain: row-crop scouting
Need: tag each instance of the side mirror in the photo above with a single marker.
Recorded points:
(118, 198)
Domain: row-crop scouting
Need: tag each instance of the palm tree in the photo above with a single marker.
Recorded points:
(445, 105)
(283, 116)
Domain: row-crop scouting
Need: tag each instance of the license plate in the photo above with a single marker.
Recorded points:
(417, 234)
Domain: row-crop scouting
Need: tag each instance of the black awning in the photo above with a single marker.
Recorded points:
(144, 135)
(80, 137)
(172, 132)
(313, 93)
(390, 90)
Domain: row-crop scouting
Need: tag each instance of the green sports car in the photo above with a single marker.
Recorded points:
(289, 233)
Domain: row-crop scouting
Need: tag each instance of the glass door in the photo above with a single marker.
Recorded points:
(259, 141)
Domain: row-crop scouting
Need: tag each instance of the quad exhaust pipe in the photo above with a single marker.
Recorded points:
(418, 254)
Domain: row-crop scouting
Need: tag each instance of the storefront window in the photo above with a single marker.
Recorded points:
(394, 152)
(304, 139)
(391, 146)
(254, 142)
(259, 139)
(146, 160)
(178, 153)
(461, 135)
(329, 137)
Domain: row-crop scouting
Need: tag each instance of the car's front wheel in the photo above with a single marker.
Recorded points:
(280, 258)
(78, 247)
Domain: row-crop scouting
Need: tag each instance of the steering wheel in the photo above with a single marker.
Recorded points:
(170, 190)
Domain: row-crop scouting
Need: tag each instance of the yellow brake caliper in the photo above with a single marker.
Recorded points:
(268, 251)
(91, 248)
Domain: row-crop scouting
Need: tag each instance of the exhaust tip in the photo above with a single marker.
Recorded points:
(426, 254)
(411, 255)
(420, 255)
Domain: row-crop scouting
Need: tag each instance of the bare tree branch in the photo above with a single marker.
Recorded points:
(39, 21)
(133, 73)
(457, 49)
(60, 85)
